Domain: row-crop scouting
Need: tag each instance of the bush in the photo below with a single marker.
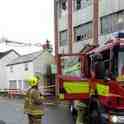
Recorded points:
(3, 93)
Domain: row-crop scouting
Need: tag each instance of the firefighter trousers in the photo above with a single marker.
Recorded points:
(34, 119)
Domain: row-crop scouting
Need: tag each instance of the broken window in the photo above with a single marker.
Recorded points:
(78, 4)
(64, 4)
(83, 32)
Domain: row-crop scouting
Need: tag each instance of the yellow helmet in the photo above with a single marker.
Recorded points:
(32, 81)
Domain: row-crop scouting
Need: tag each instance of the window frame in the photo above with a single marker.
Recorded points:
(11, 69)
(82, 33)
(63, 41)
(26, 68)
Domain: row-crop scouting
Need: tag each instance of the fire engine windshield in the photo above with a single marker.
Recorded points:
(71, 66)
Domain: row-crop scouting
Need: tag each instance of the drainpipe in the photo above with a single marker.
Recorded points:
(56, 44)
(95, 27)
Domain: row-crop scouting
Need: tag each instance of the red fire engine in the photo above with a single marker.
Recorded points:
(106, 77)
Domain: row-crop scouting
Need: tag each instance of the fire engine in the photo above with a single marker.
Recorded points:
(78, 83)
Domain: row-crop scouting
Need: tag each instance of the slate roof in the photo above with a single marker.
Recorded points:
(2, 54)
(25, 58)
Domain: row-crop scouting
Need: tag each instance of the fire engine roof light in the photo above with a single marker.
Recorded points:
(119, 34)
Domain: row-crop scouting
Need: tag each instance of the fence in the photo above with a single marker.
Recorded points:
(11, 92)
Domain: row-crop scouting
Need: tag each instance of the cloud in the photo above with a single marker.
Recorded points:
(25, 17)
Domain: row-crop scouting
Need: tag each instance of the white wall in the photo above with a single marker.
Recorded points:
(36, 66)
(19, 73)
(3, 62)
(40, 64)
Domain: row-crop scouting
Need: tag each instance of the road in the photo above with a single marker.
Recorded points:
(11, 112)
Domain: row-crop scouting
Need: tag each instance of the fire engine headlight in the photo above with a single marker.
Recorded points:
(114, 118)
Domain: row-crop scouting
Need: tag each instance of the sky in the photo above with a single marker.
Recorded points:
(26, 21)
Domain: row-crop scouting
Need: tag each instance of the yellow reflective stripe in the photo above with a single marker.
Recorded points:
(36, 112)
(102, 89)
(61, 96)
(78, 87)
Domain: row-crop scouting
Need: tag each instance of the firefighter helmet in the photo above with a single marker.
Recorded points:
(32, 81)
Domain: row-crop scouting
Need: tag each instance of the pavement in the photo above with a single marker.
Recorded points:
(11, 112)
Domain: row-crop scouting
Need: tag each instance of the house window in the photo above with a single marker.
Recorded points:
(11, 68)
(25, 85)
(26, 66)
(83, 32)
(20, 84)
(12, 84)
(63, 38)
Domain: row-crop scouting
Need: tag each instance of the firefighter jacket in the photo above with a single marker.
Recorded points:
(33, 103)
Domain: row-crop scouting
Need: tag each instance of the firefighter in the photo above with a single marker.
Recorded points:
(33, 105)
(99, 66)
(93, 109)
(98, 71)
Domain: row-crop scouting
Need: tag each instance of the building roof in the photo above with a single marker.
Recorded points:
(2, 54)
(25, 58)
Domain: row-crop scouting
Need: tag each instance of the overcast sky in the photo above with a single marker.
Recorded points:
(26, 20)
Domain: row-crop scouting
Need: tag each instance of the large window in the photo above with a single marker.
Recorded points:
(63, 38)
(106, 24)
(83, 32)
(20, 84)
(112, 23)
(25, 85)
(121, 20)
(12, 84)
